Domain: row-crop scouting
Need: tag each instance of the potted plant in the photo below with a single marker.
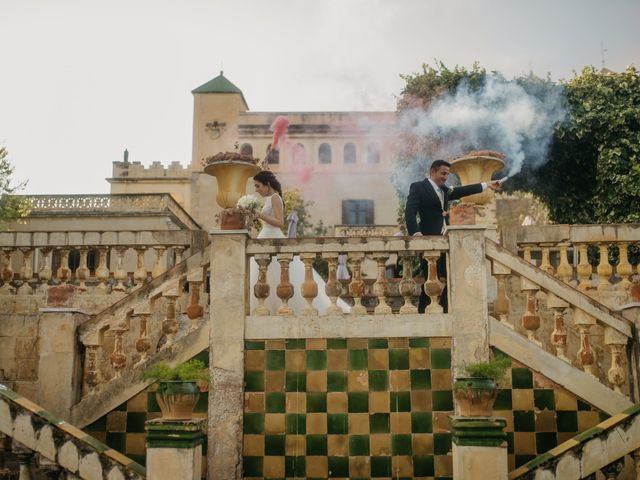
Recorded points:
(476, 390)
(179, 387)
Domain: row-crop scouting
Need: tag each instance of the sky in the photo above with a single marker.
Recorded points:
(81, 80)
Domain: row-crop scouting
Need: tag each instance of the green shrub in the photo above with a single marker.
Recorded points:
(191, 371)
(494, 369)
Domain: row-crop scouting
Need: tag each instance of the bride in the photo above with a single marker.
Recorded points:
(272, 217)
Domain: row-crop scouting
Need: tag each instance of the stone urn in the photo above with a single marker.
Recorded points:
(475, 396)
(232, 171)
(476, 167)
(177, 399)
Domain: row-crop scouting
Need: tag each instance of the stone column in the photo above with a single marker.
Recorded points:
(174, 449)
(59, 375)
(479, 448)
(226, 353)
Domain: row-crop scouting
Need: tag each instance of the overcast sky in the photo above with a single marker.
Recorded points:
(82, 80)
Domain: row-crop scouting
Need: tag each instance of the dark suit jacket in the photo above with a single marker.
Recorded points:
(424, 201)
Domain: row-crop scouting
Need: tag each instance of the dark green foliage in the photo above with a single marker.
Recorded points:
(193, 370)
(494, 369)
(11, 206)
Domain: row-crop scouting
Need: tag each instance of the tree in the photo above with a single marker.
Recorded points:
(11, 207)
(293, 202)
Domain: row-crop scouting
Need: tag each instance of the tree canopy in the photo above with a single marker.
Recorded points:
(11, 207)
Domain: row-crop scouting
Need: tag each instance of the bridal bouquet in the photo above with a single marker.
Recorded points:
(248, 202)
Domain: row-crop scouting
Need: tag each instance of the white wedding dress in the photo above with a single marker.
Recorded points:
(296, 275)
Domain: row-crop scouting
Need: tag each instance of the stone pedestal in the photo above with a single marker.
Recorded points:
(174, 449)
(479, 448)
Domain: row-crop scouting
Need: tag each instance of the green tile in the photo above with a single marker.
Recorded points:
(295, 382)
(521, 378)
(100, 425)
(249, 345)
(274, 444)
(567, 421)
(421, 422)
(378, 380)
(358, 402)
(275, 359)
(117, 441)
(338, 423)
(522, 459)
(202, 405)
(203, 356)
(442, 400)
(583, 406)
(152, 404)
(358, 445)
(418, 342)
(420, 379)
(316, 360)
(336, 381)
(336, 343)
(139, 459)
(603, 416)
(252, 466)
(316, 402)
(545, 441)
(380, 467)
(441, 358)
(400, 401)
(274, 402)
(503, 400)
(524, 421)
(338, 467)
(544, 399)
(358, 359)
(399, 359)
(254, 381)
(316, 444)
(253, 423)
(295, 423)
(379, 423)
(423, 466)
(135, 421)
(121, 408)
(378, 343)
(441, 443)
(295, 344)
(401, 445)
(295, 467)
(510, 445)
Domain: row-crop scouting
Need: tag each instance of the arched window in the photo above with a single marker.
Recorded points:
(349, 153)
(273, 156)
(246, 149)
(373, 153)
(324, 153)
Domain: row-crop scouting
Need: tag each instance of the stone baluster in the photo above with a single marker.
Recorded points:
(433, 287)
(262, 289)
(624, 269)
(502, 304)
(91, 375)
(120, 273)
(5, 448)
(195, 310)
(526, 253)
(604, 269)
(586, 355)
(143, 345)
(616, 342)
(7, 271)
(545, 263)
(47, 469)
(179, 250)
(530, 319)
(559, 334)
(284, 290)
(170, 324)
(24, 456)
(333, 286)
(82, 272)
(102, 272)
(584, 268)
(564, 270)
(309, 287)
(407, 286)
(45, 272)
(64, 272)
(26, 271)
(158, 267)
(381, 287)
(356, 286)
(140, 273)
(118, 357)
(636, 461)
(614, 469)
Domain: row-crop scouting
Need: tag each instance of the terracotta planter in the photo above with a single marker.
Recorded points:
(177, 399)
(230, 220)
(475, 396)
(463, 214)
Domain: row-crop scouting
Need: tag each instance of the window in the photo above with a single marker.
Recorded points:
(357, 212)
(373, 153)
(324, 153)
(246, 149)
(273, 156)
(349, 153)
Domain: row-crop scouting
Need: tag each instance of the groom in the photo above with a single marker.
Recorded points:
(430, 200)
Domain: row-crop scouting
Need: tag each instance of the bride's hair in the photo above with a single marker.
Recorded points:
(267, 177)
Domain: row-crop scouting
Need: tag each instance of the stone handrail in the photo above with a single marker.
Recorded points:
(112, 203)
(365, 230)
(59, 445)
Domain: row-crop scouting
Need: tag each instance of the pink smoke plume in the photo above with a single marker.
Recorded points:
(279, 128)
(281, 142)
